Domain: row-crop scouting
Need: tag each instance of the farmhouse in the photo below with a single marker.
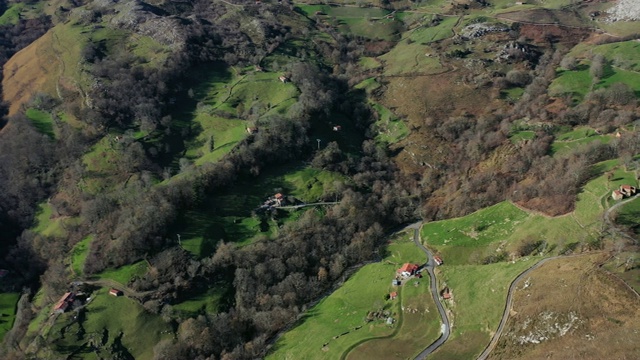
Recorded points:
(393, 295)
(407, 270)
(617, 195)
(115, 292)
(627, 190)
(337, 128)
(438, 260)
(396, 282)
(284, 79)
(279, 199)
(252, 130)
(63, 304)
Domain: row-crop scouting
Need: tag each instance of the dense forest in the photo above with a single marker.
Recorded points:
(274, 280)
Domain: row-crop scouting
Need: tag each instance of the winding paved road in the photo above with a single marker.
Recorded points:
(446, 327)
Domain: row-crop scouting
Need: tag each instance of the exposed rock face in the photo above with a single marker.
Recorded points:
(481, 29)
(625, 10)
(144, 19)
(518, 52)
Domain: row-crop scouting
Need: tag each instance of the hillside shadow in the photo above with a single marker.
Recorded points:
(183, 129)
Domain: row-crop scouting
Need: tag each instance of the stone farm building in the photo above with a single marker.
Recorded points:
(63, 304)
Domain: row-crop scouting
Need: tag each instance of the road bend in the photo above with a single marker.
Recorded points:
(431, 264)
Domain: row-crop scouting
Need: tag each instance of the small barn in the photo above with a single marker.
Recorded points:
(115, 292)
(617, 195)
(63, 304)
(393, 295)
(438, 260)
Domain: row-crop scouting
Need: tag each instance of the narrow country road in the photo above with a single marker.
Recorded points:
(507, 307)
(305, 205)
(616, 230)
(446, 327)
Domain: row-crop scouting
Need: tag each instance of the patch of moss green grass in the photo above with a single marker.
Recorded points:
(522, 135)
(420, 326)
(79, 255)
(479, 294)
(391, 129)
(624, 54)
(42, 121)
(206, 302)
(410, 54)
(45, 223)
(229, 216)
(101, 164)
(434, 6)
(108, 318)
(346, 308)
(630, 78)
(124, 274)
(369, 63)
(629, 215)
(512, 94)
(8, 302)
(563, 147)
(368, 85)
(576, 83)
(428, 34)
(11, 16)
(43, 312)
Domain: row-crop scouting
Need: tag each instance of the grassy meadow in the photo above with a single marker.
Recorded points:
(229, 215)
(479, 293)
(79, 255)
(8, 302)
(345, 309)
(125, 273)
(117, 322)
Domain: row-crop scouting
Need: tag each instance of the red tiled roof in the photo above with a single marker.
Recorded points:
(408, 268)
(393, 294)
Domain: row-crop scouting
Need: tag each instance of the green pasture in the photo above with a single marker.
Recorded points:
(629, 215)
(345, 309)
(617, 75)
(205, 302)
(228, 216)
(420, 326)
(79, 255)
(412, 55)
(42, 121)
(470, 239)
(48, 225)
(624, 54)
(427, 34)
(576, 83)
(11, 16)
(391, 129)
(368, 85)
(124, 274)
(369, 22)
(478, 229)
(251, 94)
(216, 139)
(518, 136)
(407, 58)
(563, 147)
(369, 63)
(512, 94)
(434, 6)
(8, 303)
(115, 322)
(479, 294)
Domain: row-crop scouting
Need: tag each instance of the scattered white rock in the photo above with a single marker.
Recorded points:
(625, 10)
